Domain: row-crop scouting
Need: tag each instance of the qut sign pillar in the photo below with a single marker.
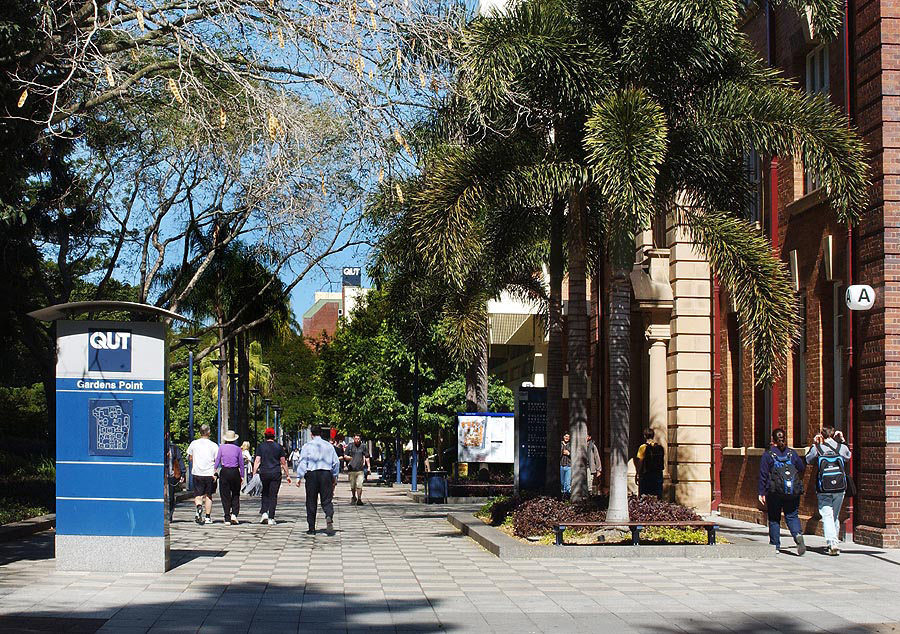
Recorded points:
(110, 439)
(110, 430)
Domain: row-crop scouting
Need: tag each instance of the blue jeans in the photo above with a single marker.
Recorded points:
(565, 479)
(775, 506)
(830, 510)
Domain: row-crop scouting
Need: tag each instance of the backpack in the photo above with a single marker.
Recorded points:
(832, 476)
(784, 479)
(654, 458)
(176, 467)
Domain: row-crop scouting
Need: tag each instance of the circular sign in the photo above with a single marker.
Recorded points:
(860, 297)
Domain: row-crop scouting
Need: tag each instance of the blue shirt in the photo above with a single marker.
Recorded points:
(317, 455)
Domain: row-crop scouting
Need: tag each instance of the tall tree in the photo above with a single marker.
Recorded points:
(651, 104)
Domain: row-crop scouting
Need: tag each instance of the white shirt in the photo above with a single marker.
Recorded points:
(203, 454)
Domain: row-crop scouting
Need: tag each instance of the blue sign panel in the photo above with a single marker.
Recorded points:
(109, 350)
(109, 423)
(110, 430)
(531, 439)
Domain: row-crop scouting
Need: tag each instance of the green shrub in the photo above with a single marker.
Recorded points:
(16, 510)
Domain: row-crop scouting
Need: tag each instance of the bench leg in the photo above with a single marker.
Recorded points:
(559, 535)
(635, 535)
(711, 536)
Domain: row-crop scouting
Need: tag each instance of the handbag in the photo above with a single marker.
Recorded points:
(851, 487)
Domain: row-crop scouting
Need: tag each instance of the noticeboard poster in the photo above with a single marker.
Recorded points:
(486, 438)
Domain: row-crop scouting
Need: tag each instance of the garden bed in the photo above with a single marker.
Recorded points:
(531, 520)
(479, 490)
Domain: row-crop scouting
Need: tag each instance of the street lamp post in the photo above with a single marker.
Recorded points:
(219, 363)
(191, 343)
(233, 423)
(415, 424)
(268, 403)
(277, 409)
(255, 392)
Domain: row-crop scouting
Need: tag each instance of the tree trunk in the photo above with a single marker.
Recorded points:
(222, 382)
(243, 385)
(555, 360)
(620, 395)
(477, 377)
(578, 347)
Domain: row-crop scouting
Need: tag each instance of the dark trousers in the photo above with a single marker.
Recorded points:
(230, 491)
(651, 484)
(319, 483)
(775, 506)
(171, 481)
(271, 482)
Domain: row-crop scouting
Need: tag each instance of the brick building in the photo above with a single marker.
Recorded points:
(843, 371)
(691, 380)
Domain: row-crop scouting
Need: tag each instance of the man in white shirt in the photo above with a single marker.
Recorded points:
(202, 454)
(319, 464)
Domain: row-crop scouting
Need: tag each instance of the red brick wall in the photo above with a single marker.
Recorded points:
(875, 99)
(877, 89)
(323, 320)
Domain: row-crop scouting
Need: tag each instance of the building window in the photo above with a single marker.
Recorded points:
(837, 352)
(736, 348)
(816, 84)
(753, 201)
(799, 378)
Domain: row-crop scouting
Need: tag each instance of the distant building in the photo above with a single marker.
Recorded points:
(320, 320)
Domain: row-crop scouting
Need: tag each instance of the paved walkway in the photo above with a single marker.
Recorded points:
(394, 566)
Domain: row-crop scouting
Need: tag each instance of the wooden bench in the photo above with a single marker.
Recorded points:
(636, 528)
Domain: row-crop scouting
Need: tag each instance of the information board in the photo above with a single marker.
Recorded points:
(531, 438)
(486, 437)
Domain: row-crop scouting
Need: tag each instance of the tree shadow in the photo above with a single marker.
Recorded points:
(762, 624)
(248, 607)
(37, 547)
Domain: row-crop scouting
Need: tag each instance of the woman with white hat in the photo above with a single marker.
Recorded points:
(231, 460)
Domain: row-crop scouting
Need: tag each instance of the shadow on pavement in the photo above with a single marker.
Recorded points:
(764, 624)
(246, 607)
(36, 547)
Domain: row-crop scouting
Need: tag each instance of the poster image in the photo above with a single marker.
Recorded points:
(486, 438)
(472, 431)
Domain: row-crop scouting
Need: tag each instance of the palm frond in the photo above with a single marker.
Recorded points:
(757, 281)
(626, 142)
(532, 55)
(733, 117)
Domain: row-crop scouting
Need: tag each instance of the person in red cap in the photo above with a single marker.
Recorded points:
(270, 463)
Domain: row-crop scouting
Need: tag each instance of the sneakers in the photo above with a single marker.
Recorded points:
(264, 518)
(801, 546)
(234, 519)
(271, 522)
(198, 514)
(311, 531)
(833, 550)
(329, 524)
(353, 500)
(208, 520)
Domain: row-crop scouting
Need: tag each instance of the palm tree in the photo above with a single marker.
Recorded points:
(500, 258)
(236, 289)
(651, 105)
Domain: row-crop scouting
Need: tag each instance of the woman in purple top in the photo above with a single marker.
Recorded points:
(231, 460)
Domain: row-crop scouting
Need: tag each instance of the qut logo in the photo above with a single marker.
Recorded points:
(109, 350)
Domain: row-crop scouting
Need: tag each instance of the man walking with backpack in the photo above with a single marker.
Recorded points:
(649, 464)
(830, 453)
(780, 488)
